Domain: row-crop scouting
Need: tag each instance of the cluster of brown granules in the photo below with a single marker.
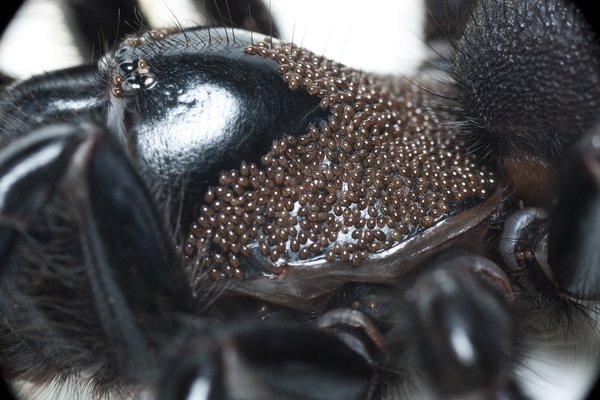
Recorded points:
(382, 169)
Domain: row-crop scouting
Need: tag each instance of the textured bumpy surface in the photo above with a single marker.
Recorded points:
(381, 170)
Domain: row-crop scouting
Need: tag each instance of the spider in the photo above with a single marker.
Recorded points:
(214, 213)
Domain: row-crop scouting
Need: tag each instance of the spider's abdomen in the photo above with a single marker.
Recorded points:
(529, 86)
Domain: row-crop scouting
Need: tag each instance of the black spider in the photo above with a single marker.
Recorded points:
(211, 212)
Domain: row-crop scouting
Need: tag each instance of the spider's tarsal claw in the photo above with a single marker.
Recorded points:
(29, 172)
(574, 255)
(268, 363)
(463, 332)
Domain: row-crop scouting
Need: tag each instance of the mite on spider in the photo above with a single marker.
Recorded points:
(214, 213)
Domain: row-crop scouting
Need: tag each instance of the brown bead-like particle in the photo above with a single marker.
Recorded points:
(382, 169)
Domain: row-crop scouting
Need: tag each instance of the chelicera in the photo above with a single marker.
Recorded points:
(210, 212)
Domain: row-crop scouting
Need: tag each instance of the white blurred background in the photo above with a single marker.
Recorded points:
(378, 35)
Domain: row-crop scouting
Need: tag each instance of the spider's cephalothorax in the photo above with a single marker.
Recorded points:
(213, 214)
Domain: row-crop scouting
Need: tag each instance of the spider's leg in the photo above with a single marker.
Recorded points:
(555, 258)
(4, 391)
(137, 292)
(251, 15)
(561, 244)
(462, 330)
(126, 265)
(573, 252)
(87, 30)
(112, 20)
(445, 20)
(29, 172)
(270, 362)
(127, 252)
